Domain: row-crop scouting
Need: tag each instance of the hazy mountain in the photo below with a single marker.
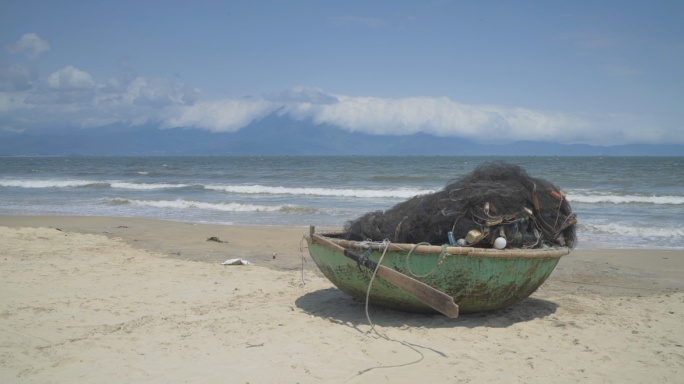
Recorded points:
(275, 135)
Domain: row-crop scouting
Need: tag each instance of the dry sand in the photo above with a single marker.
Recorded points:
(83, 305)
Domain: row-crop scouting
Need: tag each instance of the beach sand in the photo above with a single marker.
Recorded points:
(94, 303)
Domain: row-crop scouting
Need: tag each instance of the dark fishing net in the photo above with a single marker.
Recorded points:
(497, 199)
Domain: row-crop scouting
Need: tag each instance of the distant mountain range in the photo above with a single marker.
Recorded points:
(275, 135)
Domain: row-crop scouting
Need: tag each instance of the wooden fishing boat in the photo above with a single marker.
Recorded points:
(478, 279)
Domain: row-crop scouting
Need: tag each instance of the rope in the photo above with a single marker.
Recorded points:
(560, 204)
(370, 284)
(442, 256)
(301, 253)
(364, 257)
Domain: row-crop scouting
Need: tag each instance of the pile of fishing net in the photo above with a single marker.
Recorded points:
(496, 200)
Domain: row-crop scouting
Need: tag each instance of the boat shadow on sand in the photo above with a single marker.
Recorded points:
(337, 307)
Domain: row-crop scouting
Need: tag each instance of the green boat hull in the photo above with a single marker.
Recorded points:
(476, 283)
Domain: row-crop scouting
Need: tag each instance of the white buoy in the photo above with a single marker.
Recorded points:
(500, 243)
(461, 242)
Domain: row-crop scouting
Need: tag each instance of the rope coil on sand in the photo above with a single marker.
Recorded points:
(385, 245)
(368, 247)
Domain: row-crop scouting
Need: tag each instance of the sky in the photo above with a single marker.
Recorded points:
(603, 73)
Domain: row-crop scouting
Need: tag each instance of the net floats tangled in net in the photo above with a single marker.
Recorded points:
(498, 205)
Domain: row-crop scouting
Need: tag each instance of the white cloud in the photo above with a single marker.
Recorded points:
(156, 93)
(480, 123)
(436, 116)
(70, 78)
(220, 116)
(29, 42)
(71, 97)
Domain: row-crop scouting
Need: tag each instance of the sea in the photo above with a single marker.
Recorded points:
(621, 202)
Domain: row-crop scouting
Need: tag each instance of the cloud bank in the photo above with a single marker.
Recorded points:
(436, 116)
(70, 96)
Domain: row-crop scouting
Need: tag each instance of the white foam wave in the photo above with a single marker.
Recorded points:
(51, 183)
(366, 193)
(144, 186)
(625, 199)
(624, 230)
(57, 183)
(143, 173)
(228, 207)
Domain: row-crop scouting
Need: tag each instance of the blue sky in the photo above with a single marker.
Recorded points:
(591, 72)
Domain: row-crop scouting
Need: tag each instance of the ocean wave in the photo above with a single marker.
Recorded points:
(57, 183)
(365, 193)
(51, 183)
(403, 178)
(624, 230)
(624, 199)
(227, 207)
(144, 186)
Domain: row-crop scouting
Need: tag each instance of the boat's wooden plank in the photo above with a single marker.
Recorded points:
(469, 251)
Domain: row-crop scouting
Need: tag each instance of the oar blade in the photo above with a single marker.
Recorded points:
(436, 299)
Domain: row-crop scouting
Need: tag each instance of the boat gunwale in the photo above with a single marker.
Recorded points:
(547, 253)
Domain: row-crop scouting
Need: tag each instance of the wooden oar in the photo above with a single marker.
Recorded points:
(437, 300)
